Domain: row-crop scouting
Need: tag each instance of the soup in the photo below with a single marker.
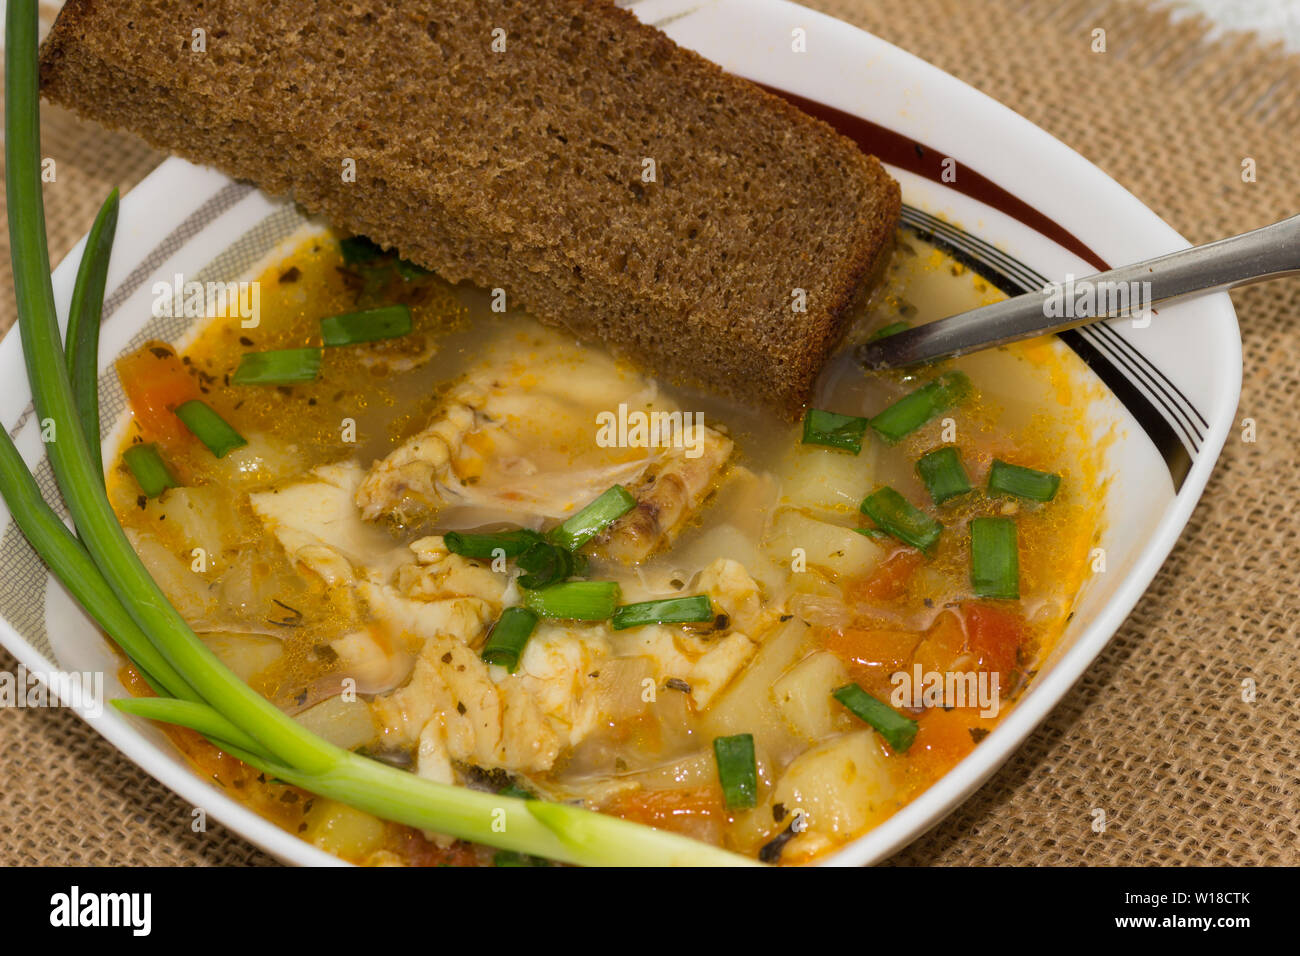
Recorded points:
(439, 533)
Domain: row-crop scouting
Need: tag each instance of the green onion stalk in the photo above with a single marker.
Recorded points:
(102, 571)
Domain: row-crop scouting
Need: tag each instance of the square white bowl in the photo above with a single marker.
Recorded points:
(1022, 209)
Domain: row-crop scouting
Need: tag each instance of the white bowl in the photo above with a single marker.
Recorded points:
(1023, 209)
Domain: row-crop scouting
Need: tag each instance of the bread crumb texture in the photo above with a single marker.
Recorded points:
(610, 181)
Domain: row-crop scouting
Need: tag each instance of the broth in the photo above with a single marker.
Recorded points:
(622, 720)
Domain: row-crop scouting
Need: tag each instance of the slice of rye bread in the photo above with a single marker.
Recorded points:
(524, 169)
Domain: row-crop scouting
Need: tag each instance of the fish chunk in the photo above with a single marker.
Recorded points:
(317, 523)
(517, 440)
(736, 594)
(437, 573)
(410, 482)
(669, 492)
(414, 593)
(456, 708)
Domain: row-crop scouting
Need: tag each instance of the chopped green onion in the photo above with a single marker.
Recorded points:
(358, 249)
(546, 564)
(898, 731)
(830, 428)
(871, 532)
(1022, 482)
(901, 519)
(912, 411)
(513, 858)
(884, 332)
(371, 325)
(575, 600)
(486, 546)
(277, 367)
(994, 558)
(210, 428)
(943, 474)
(593, 519)
(737, 770)
(506, 640)
(408, 270)
(149, 470)
(82, 352)
(680, 610)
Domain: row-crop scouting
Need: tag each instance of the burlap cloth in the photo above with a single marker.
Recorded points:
(1157, 734)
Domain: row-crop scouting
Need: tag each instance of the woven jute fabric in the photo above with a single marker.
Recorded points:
(1157, 735)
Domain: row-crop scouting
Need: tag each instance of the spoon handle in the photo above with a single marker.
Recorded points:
(1129, 290)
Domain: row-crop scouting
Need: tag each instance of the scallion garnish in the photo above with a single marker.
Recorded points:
(833, 429)
(149, 470)
(101, 569)
(371, 325)
(359, 249)
(409, 271)
(545, 564)
(486, 546)
(885, 331)
(82, 351)
(210, 428)
(506, 640)
(898, 731)
(898, 517)
(912, 411)
(680, 610)
(575, 600)
(943, 474)
(511, 858)
(1007, 479)
(593, 519)
(737, 770)
(514, 790)
(278, 367)
(994, 558)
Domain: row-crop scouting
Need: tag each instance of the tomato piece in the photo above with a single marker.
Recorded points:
(697, 812)
(889, 580)
(156, 382)
(873, 655)
(994, 635)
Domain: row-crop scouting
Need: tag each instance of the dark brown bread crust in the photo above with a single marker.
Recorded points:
(519, 170)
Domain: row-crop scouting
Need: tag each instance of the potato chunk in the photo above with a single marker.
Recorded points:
(841, 551)
(803, 694)
(840, 787)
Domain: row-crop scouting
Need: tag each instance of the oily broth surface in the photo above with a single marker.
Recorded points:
(1029, 408)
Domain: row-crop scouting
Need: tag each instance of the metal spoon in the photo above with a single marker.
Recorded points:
(1129, 290)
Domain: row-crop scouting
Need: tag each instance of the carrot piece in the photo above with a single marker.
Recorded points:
(156, 382)
(944, 647)
(889, 580)
(943, 737)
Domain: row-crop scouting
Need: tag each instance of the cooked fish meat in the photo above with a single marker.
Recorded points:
(667, 494)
